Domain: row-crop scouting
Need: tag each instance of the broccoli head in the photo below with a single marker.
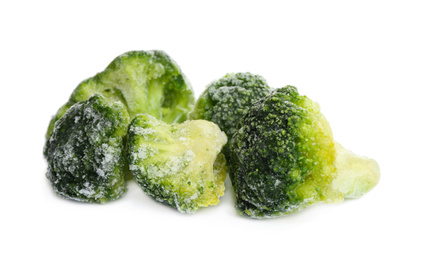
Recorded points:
(144, 81)
(283, 157)
(85, 151)
(226, 101)
(179, 164)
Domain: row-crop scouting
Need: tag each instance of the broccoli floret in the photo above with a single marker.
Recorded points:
(85, 151)
(179, 164)
(283, 157)
(226, 101)
(144, 81)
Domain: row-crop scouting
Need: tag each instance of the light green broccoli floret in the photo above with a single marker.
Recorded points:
(227, 100)
(283, 158)
(144, 82)
(85, 151)
(179, 164)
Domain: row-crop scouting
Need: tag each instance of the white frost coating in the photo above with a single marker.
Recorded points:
(277, 182)
(107, 159)
(182, 164)
(153, 171)
(173, 165)
(143, 153)
(89, 190)
(142, 131)
(134, 167)
(87, 155)
(100, 172)
(189, 156)
(194, 196)
(183, 139)
(158, 70)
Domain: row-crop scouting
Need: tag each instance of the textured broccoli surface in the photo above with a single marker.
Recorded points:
(284, 158)
(85, 151)
(144, 81)
(227, 100)
(179, 164)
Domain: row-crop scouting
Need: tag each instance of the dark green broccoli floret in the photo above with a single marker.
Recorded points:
(179, 164)
(144, 81)
(226, 101)
(85, 151)
(283, 158)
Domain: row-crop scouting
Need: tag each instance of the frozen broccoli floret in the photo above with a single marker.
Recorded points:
(179, 164)
(85, 151)
(144, 81)
(226, 101)
(283, 158)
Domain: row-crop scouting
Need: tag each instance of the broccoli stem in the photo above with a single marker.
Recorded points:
(356, 174)
(155, 98)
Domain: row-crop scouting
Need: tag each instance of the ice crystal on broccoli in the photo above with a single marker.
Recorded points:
(85, 151)
(227, 100)
(179, 164)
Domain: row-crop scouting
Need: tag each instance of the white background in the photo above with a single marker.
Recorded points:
(363, 61)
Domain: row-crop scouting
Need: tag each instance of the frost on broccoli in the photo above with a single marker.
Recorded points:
(144, 81)
(179, 164)
(283, 157)
(85, 151)
(226, 101)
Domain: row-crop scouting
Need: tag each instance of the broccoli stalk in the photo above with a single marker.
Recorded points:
(179, 164)
(356, 174)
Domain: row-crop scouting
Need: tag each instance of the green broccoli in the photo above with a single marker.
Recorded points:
(226, 101)
(144, 81)
(85, 151)
(283, 158)
(179, 164)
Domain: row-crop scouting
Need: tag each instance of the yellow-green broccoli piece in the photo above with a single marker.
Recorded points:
(179, 164)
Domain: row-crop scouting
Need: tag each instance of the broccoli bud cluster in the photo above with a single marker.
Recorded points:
(180, 165)
(85, 151)
(144, 82)
(138, 117)
(226, 101)
(282, 156)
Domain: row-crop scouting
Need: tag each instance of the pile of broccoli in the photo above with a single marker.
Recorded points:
(139, 117)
